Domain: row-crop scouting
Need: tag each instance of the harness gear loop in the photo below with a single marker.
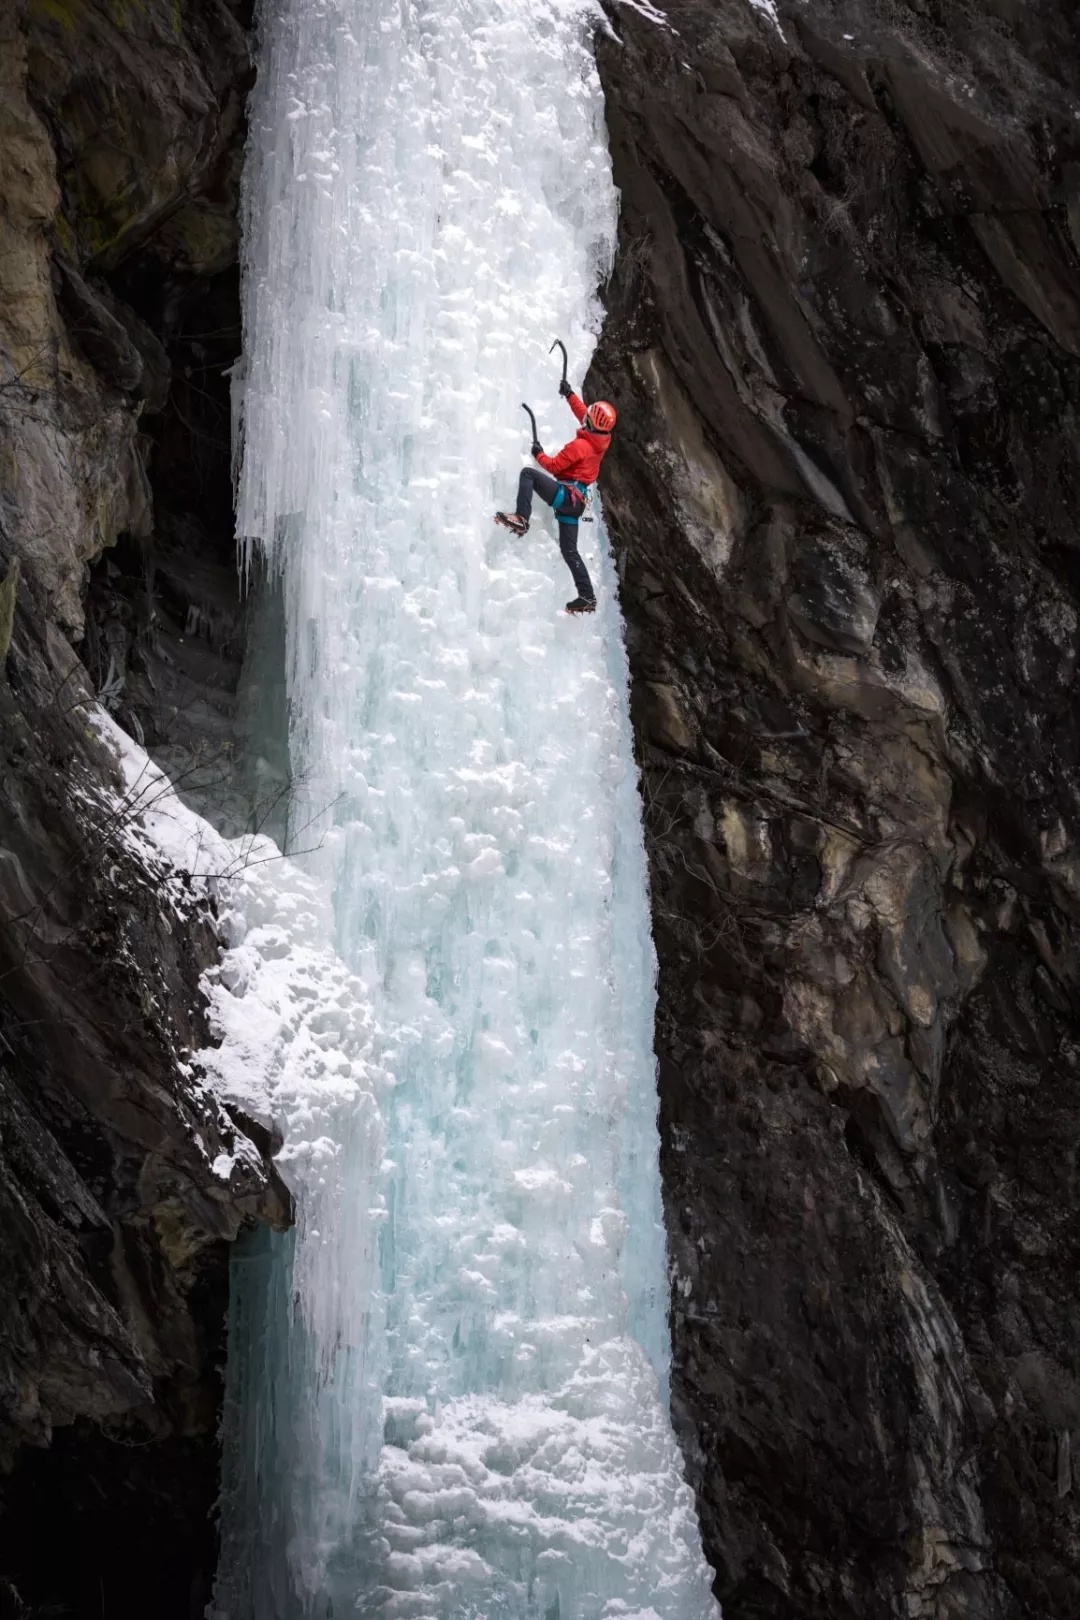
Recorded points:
(568, 503)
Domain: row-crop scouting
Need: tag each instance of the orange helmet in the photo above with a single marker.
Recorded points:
(600, 418)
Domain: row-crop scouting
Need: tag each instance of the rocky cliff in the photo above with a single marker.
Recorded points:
(120, 136)
(844, 337)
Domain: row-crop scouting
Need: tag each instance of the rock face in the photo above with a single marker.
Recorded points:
(120, 139)
(114, 1219)
(844, 339)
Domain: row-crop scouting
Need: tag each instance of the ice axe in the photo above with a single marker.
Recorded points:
(558, 344)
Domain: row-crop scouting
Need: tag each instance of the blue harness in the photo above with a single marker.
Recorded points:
(569, 502)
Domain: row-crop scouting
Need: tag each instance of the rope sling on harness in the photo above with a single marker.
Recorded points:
(569, 503)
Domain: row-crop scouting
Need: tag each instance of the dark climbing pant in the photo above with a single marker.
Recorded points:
(533, 481)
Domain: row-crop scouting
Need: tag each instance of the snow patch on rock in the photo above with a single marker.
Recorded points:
(294, 1026)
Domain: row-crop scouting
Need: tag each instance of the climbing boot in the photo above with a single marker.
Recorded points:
(513, 521)
(581, 604)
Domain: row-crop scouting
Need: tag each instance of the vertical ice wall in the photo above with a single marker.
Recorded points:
(446, 1392)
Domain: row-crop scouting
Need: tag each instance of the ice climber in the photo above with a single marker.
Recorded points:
(564, 484)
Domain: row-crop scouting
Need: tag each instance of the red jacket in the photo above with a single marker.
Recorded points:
(579, 461)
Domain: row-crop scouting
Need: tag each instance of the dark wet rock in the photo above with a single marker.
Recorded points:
(832, 599)
(114, 1216)
(121, 347)
(122, 1184)
(97, 331)
(146, 106)
(843, 339)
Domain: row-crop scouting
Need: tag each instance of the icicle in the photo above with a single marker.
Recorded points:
(470, 1420)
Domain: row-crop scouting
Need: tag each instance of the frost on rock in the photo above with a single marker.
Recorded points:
(294, 1026)
(651, 13)
(769, 8)
(447, 1395)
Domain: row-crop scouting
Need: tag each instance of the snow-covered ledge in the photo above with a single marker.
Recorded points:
(294, 1026)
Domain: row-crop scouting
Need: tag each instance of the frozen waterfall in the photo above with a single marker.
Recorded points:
(447, 1388)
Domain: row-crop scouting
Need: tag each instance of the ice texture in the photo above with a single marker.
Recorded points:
(447, 1391)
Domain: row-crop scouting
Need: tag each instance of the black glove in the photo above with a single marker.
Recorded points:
(537, 448)
(565, 389)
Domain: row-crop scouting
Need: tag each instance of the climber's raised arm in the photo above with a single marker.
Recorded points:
(576, 404)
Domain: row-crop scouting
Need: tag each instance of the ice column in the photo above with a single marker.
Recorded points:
(447, 1393)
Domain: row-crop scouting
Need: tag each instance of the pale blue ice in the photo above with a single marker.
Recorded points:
(447, 1390)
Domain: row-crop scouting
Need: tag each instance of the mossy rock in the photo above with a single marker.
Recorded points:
(132, 102)
(9, 590)
(64, 12)
(200, 238)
